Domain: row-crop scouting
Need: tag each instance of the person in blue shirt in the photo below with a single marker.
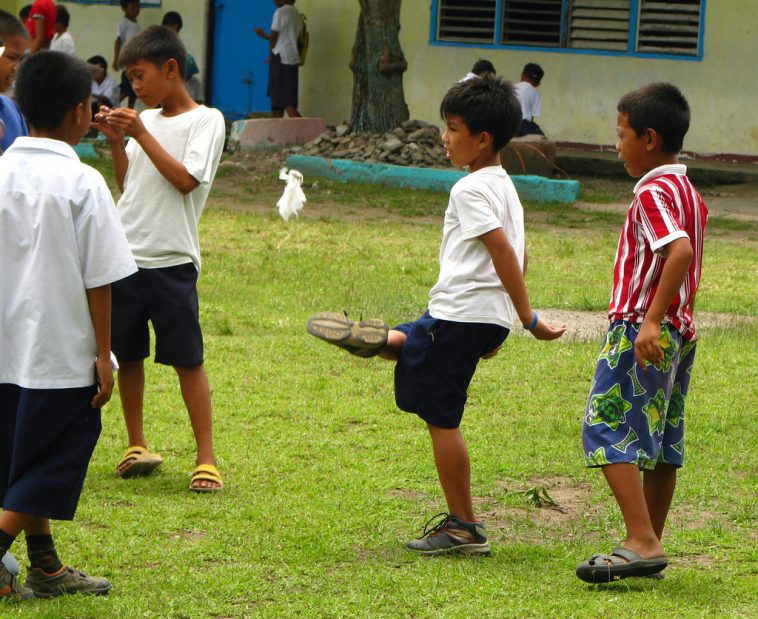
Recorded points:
(14, 41)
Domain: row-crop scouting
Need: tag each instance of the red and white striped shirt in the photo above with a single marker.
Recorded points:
(665, 207)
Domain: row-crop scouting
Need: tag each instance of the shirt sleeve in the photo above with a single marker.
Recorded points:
(104, 252)
(204, 146)
(276, 22)
(658, 218)
(475, 214)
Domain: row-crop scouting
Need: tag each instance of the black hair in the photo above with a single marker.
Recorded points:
(99, 61)
(661, 107)
(63, 15)
(124, 3)
(172, 18)
(155, 44)
(11, 27)
(485, 104)
(534, 71)
(482, 66)
(50, 84)
(25, 11)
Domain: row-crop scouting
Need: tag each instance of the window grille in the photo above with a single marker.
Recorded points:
(600, 24)
(467, 21)
(533, 23)
(671, 27)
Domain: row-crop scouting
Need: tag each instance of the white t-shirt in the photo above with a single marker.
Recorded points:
(126, 29)
(160, 222)
(288, 24)
(59, 236)
(468, 288)
(530, 100)
(63, 43)
(108, 88)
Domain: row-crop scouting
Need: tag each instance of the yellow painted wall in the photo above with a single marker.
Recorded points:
(579, 92)
(94, 26)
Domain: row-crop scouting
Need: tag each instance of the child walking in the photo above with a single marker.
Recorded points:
(478, 298)
(61, 248)
(635, 413)
(165, 173)
(126, 29)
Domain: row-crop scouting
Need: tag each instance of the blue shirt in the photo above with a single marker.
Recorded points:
(12, 123)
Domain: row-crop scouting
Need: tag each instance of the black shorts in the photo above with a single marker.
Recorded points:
(47, 437)
(282, 83)
(166, 297)
(125, 87)
(437, 363)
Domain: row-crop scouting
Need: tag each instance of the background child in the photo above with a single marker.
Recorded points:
(481, 68)
(165, 172)
(126, 29)
(62, 39)
(635, 414)
(105, 89)
(61, 246)
(14, 40)
(529, 98)
(479, 296)
(173, 21)
(43, 15)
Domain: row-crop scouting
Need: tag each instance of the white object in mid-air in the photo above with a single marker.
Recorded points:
(293, 198)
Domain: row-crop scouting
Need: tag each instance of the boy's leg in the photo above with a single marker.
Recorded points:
(196, 393)
(454, 470)
(625, 482)
(131, 385)
(394, 345)
(658, 486)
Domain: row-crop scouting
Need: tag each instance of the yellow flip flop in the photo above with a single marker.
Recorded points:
(206, 472)
(137, 460)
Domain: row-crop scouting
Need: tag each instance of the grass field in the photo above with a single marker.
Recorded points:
(326, 479)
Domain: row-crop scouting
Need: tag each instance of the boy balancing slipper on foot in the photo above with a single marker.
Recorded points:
(635, 414)
(61, 248)
(468, 317)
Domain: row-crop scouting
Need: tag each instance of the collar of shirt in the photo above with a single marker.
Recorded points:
(670, 168)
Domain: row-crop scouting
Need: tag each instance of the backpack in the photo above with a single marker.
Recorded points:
(303, 39)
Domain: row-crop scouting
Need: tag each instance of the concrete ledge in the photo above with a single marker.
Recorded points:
(534, 188)
(266, 132)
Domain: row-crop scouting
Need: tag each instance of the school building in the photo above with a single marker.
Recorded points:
(592, 51)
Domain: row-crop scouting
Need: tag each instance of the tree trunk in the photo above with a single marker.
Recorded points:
(378, 65)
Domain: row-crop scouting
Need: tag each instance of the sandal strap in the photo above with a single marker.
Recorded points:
(207, 472)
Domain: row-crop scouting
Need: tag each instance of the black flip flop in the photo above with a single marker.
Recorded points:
(621, 563)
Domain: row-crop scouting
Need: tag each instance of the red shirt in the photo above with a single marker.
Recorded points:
(47, 9)
(665, 207)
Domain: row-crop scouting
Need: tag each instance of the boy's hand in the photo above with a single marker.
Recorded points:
(104, 377)
(100, 122)
(647, 348)
(545, 331)
(126, 120)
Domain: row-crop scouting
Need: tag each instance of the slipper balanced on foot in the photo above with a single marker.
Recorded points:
(362, 339)
(206, 473)
(137, 461)
(621, 563)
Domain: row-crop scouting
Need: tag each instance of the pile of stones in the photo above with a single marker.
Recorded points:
(414, 143)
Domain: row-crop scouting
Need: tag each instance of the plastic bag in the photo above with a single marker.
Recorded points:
(293, 198)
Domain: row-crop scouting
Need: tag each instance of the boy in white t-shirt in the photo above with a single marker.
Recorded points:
(126, 29)
(61, 248)
(62, 39)
(479, 296)
(165, 171)
(530, 99)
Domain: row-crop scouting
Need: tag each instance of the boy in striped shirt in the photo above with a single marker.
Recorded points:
(634, 418)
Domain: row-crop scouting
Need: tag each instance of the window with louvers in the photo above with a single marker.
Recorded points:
(600, 24)
(467, 21)
(535, 22)
(671, 27)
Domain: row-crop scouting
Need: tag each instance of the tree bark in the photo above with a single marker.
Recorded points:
(378, 65)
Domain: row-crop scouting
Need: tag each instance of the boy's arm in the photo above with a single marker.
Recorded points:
(509, 271)
(116, 52)
(99, 301)
(677, 258)
(116, 141)
(128, 121)
(39, 33)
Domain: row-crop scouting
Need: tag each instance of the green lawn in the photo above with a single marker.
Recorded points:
(326, 479)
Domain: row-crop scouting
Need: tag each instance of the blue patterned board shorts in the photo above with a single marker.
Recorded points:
(633, 415)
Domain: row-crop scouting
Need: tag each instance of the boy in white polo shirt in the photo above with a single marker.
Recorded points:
(61, 247)
(479, 296)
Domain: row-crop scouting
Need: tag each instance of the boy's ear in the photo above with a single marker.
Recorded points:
(77, 112)
(171, 67)
(652, 139)
(485, 140)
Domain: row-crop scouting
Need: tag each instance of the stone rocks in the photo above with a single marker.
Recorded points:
(414, 143)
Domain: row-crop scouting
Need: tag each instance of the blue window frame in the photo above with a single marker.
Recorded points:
(643, 28)
(145, 4)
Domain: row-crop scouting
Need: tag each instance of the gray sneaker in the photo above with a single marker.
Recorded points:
(66, 580)
(363, 339)
(10, 588)
(450, 535)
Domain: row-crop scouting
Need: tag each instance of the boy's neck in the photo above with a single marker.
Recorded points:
(487, 161)
(178, 102)
(660, 159)
(60, 133)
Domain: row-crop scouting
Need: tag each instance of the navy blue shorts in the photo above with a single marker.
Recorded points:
(168, 298)
(437, 364)
(47, 437)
